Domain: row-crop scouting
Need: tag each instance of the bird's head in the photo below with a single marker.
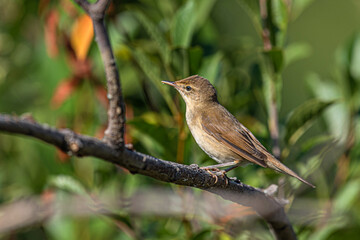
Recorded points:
(195, 90)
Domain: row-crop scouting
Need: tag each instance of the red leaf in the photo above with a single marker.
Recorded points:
(100, 132)
(63, 91)
(129, 115)
(69, 8)
(235, 211)
(52, 20)
(63, 157)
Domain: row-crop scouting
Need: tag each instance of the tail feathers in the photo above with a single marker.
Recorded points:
(278, 166)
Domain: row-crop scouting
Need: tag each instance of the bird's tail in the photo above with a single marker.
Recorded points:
(278, 166)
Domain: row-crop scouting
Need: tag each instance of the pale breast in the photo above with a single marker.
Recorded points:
(207, 143)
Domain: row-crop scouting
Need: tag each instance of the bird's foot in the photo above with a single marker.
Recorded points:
(215, 172)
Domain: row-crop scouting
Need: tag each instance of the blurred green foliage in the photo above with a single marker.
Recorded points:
(254, 56)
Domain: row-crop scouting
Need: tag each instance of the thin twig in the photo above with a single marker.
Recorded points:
(265, 22)
(114, 134)
(273, 122)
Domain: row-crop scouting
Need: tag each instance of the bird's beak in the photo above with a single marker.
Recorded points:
(170, 83)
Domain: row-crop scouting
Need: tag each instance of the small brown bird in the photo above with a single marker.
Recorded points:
(218, 133)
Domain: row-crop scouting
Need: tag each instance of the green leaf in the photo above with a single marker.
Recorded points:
(195, 57)
(278, 14)
(155, 34)
(224, 236)
(316, 141)
(349, 59)
(203, 9)
(355, 59)
(158, 138)
(189, 17)
(329, 229)
(295, 52)
(211, 67)
(152, 71)
(347, 196)
(183, 25)
(297, 7)
(67, 183)
(276, 58)
(202, 235)
(339, 114)
(305, 169)
(252, 8)
(151, 144)
(301, 118)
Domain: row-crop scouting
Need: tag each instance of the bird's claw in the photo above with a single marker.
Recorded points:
(213, 175)
(213, 171)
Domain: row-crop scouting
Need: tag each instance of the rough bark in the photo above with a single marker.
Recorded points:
(114, 134)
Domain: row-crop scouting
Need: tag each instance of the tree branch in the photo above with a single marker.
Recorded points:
(113, 150)
(84, 4)
(75, 144)
(114, 134)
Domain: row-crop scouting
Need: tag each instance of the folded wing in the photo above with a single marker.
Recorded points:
(232, 134)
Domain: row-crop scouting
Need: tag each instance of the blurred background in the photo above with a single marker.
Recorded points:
(295, 60)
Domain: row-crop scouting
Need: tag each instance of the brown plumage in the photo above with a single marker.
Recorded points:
(218, 133)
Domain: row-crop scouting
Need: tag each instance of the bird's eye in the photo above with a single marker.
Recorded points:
(188, 88)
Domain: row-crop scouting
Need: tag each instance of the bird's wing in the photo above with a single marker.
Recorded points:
(232, 134)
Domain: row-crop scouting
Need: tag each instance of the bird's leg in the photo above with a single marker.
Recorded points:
(216, 167)
(231, 168)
